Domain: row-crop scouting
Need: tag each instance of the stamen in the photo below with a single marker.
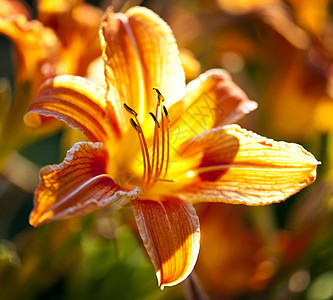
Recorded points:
(159, 163)
(155, 120)
(158, 92)
(130, 110)
(159, 96)
(166, 114)
(156, 145)
(157, 175)
(155, 142)
(143, 144)
(168, 140)
(145, 153)
(135, 126)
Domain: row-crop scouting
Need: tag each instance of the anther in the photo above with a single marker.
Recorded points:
(155, 120)
(157, 91)
(159, 96)
(166, 114)
(135, 126)
(130, 110)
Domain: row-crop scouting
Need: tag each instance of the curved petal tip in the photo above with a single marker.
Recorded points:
(171, 235)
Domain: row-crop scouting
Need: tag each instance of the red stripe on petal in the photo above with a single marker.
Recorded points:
(140, 52)
(78, 102)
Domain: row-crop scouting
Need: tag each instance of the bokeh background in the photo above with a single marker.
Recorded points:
(281, 54)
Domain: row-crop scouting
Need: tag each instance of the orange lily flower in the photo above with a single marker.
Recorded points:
(159, 145)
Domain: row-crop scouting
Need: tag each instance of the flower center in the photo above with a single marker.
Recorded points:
(155, 161)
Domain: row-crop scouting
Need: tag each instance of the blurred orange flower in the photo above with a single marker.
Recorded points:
(238, 260)
(239, 7)
(76, 25)
(56, 43)
(161, 166)
(301, 97)
(298, 94)
(61, 41)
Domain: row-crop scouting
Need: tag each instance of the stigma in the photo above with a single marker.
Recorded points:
(155, 161)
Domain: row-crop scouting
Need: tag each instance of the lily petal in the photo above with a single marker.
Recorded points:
(140, 52)
(170, 233)
(76, 187)
(78, 102)
(241, 167)
(212, 100)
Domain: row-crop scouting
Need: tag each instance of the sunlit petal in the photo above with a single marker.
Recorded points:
(159, 55)
(241, 167)
(140, 53)
(78, 186)
(78, 102)
(170, 232)
(212, 99)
